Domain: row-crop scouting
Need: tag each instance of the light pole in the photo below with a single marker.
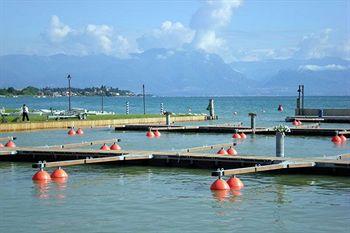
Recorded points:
(102, 101)
(69, 93)
(144, 99)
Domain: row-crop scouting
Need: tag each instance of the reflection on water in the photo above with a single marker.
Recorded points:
(55, 188)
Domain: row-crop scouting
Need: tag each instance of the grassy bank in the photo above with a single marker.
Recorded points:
(37, 118)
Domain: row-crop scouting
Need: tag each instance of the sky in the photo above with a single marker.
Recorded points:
(236, 30)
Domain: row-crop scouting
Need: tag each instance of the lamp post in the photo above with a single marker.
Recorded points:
(144, 99)
(69, 93)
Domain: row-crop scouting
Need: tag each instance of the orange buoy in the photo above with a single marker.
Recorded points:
(10, 144)
(1, 145)
(299, 122)
(296, 122)
(150, 134)
(59, 173)
(243, 136)
(336, 139)
(342, 138)
(280, 108)
(231, 151)
(157, 134)
(236, 136)
(71, 132)
(235, 183)
(219, 184)
(105, 147)
(115, 146)
(41, 175)
(80, 131)
(222, 151)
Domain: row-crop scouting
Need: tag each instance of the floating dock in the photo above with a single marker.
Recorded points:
(58, 157)
(303, 130)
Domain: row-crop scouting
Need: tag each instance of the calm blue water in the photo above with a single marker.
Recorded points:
(110, 198)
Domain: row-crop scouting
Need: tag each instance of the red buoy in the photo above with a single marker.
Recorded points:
(10, 144)
(157, 134)
(336, 139)
(220, 184)
(59, 173)
(342, 138)
(235, 183)
(150, 134)
(80, 131)
(41, 175)
(231, 151)
(71, 132)
(236, 136)
(280, 108)
(243, 136)
(105, 147)
(115, 146)
(299, 122)
(222, 151)
(295, 122)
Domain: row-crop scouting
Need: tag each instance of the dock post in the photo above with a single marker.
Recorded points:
(252, 121)
(279, 144)
(211, 110)
(167, 119)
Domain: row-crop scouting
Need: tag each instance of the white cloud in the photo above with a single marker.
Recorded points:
(170, 35)
(331, 67)
(92, 39)
(58, 31)
(208, 20)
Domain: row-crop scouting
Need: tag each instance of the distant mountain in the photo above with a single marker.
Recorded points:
(179, 73)
(164, 72)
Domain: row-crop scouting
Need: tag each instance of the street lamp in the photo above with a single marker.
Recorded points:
(69, 93)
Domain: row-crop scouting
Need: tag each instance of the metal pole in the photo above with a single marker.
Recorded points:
(144, 99)
(167, 119)
(102, 102)
(302, 106)
(69, 93)
(127, 107)
(252, 121)
(211, 109)
(279, 144)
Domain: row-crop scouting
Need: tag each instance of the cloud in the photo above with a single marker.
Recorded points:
(91, 39)
(207, 21)
(331, 67)
(58, 31)
(170, 35)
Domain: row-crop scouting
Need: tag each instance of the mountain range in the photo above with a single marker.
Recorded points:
(179, 73)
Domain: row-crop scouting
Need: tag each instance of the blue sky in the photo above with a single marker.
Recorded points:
(235, 30)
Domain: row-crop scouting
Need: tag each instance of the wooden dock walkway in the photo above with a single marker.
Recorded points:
(324, 119)
(55, 157)
(299, 130)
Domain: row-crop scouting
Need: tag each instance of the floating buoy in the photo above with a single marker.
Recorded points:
(295, 122)
(71, 132)
(115, 146)
(59, 173)
(243, 136)
(80, 131)
(10, 144)
(105, 147)
(222, 151)
(235, 183)
(280, 108)
(219, 184)
(231, 151)
(157, 134)
(150, 134)
(342, 138)
(336, 139)
(236, 136)
(41, 175)
(299, 122)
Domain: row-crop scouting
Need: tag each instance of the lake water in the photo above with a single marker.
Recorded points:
(110, 198)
